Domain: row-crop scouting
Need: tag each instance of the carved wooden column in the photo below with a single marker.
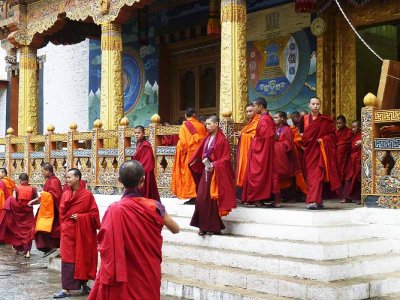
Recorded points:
(28, 90)
(112, 100)
(233, 90)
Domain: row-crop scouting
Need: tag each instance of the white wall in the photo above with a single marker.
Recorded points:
(3, 93)
(66, 85)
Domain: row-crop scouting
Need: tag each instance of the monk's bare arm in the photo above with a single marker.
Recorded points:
(171, 224)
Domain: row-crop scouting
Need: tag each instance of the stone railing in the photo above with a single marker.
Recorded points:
(97, 153)
(380, 154)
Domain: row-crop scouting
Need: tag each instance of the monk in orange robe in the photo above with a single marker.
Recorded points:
(79, 219)
(352, 182)
(212, 171)
(144, 154)
(343, 146)
(244, 140)
(191, 135)
(130, 241)
(260, 180)
(319, 153)
(48, 242)
(8, 182)
(17, 219)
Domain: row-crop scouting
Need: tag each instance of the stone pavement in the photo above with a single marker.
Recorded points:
(23, 279)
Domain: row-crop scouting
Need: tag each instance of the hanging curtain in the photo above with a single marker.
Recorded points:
(305, 6)
(214, 19)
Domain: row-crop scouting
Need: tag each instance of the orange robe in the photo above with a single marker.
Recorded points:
(10, 185)
(299, 152)
(242, 153)
(191, 135)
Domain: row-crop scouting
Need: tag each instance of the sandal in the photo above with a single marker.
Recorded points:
(346, 201)
(312, 206)
(214, 233)
(85, 290)
(61, 294)
(201, 233)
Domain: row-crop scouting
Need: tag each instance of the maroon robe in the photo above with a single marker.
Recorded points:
(129, 243)
(78, 237)
(47, 241)
(352, 186)
(260, 180)
(208, 211)
(285, 160)
(17, 220)
(170, 140)
(343, 146)
(322, 127)
(144, 154)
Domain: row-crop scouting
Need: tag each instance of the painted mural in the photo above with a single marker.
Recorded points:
(281, 58)
(140, 76)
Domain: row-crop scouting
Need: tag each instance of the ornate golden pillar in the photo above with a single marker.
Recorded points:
(28, 90)
(112, 100)
(233, 90)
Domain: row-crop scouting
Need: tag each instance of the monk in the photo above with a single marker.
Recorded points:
(79, 219)
(285, 160)
(48, 241)
(244, 140)
(191, 135)
(3, 194)
(212, 171)
(319, 153)
(352, 183)
(343, 146)
(129, 242)
(17, 219)
(260, 180)
(8, 182)
(144, 154)
(169, 140)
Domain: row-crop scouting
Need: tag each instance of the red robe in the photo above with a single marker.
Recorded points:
(222, 182)
(343, 147)
(352, 187)
(78, 238)
(285, 161)
(319, 166)
(17, 220)
(260, 180)
(129, 243)
(144, 154)
(169, 140)
(45, 241)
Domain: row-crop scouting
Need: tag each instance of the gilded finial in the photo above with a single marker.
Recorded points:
(29, 129)
(50, 128)
(73, 126)
(124, 121)
(370, 100)
(97, 124)
(155, 119)
(10, 131)
(226, 114)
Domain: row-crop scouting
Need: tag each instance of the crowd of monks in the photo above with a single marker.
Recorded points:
(275, 161)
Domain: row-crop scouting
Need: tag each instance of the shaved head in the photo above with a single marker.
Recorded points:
(213, 119)
(130, 173)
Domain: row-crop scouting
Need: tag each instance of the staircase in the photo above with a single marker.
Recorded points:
(285, 253)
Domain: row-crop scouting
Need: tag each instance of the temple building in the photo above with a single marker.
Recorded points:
(86, 60)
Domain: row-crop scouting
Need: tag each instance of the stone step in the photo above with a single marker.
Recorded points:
(356, 288)
(190, 289)
(388, 297)
(332, 233)
(286, 248)
(283, 215)
(301, 268)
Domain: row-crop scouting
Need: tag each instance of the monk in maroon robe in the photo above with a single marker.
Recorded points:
(17, 220)
(144, 154)
(169, 140)
(79, 219)
(344, 136)
(320, 147)
(285, 161)
(260, 180)
(48, 242)
(130, 241)
(352, 183)
(214, 177)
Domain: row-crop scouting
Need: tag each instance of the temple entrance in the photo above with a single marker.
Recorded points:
(384, 39)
